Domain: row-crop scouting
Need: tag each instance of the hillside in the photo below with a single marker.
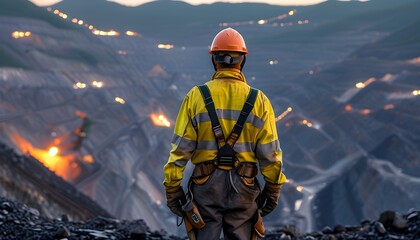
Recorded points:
(26, 9)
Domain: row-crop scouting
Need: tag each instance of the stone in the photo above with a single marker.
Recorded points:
(331, 237)
(64, 218)
(285, 237)
(34, 211)
(291, 230)
(387, 218)
(394, 236)
(365, 222)
(98, 234)
(412, 215)
(138, 234)
(62, 232)
(339, 229)
(399, 223)
(327, 230)
(379, 227)
(6, 206)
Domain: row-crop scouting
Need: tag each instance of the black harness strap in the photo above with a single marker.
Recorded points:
(246, 109)
(217, 129)
(226, 154)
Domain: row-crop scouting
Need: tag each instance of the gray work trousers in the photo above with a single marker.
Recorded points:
(223, 208)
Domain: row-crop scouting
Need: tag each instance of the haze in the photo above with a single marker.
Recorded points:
(196, 2)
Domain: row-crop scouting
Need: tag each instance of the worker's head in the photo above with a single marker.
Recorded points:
(228, 49)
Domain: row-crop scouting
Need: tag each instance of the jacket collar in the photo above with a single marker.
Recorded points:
(229, 73)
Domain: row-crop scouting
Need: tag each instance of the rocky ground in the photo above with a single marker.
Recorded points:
(390, 225)
(18, 221)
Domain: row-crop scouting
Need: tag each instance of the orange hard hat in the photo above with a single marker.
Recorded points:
(228, 40)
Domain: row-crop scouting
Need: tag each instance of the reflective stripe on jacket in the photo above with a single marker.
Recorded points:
(194, 138)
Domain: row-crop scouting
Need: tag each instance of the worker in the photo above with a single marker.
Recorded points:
(225, 128)
(82, 131)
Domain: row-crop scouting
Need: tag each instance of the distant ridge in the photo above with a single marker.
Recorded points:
(166, 19)
(26, 9)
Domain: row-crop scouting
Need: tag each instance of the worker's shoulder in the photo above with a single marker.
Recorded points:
(261, 94)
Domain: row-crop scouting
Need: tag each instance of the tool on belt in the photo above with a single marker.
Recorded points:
(191, 216)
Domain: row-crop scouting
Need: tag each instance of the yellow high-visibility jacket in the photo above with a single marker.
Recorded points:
(194, 139)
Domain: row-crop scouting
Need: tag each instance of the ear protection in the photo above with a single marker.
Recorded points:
(228, 59)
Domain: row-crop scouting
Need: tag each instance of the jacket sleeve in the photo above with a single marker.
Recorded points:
(268, 151)
(183, 145)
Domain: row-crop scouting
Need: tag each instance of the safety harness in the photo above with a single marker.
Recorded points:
(226, 158)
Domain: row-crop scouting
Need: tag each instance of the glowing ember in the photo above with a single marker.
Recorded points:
(307, 123)
(360, 85)
(64, 166)
(160, 120)
(20, 34)
(389, 106)
(299, 188)
(131, 33)
(53, 151)
(291, 13)
(348, 108)
(416, 93)
(414, 61)
(261, 22)
(111, 33)
(284, 114)
(119, 100)
(365, 111)
(88, 159)
(97, 84)
(79, 85)
(165, 46)
(364, 84)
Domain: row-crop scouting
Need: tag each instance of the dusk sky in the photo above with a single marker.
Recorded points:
(196, 2)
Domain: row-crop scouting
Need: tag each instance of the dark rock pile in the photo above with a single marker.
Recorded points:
(390, 225)
(18, 221)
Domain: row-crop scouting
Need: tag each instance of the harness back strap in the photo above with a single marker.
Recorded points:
(237, 129)
(217, 129)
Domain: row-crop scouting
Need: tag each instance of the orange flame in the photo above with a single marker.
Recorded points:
(53, 151)
(64, 166)
(365, 111)
(160, 120)
(348, 108)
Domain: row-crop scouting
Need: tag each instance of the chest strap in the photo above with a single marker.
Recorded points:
(226, 155)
